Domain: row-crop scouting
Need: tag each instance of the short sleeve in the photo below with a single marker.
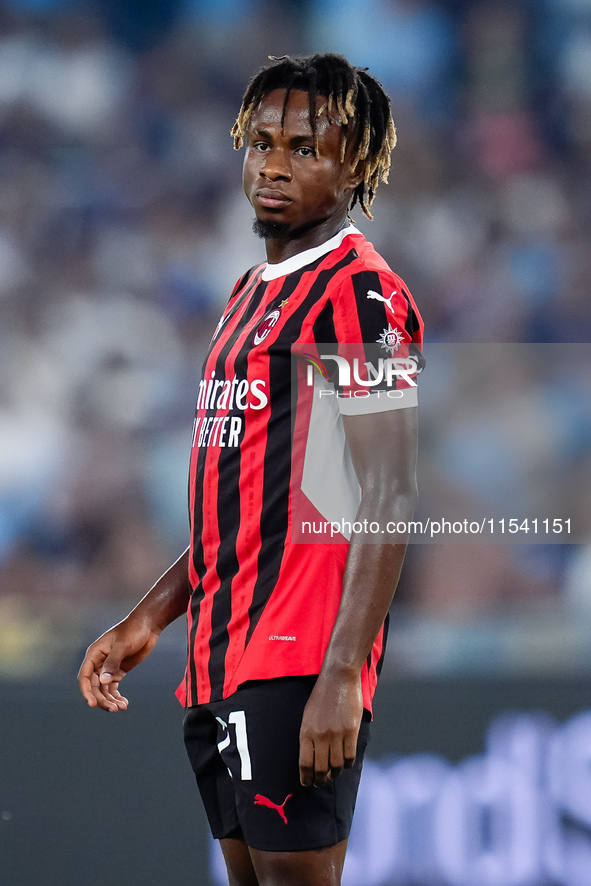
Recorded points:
(374, 355)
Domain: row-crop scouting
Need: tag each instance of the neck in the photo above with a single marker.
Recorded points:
(306, 238)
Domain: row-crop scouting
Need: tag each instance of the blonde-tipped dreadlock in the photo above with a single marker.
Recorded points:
(360, 101)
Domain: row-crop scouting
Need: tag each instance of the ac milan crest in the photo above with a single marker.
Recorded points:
(266, 325)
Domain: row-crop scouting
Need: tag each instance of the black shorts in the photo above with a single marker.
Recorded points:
(244, 751)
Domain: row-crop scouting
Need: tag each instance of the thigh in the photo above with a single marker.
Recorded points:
(320, 867)
(258, 739)
(238, 862)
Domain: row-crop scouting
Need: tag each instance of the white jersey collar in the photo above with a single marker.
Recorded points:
(273, 272)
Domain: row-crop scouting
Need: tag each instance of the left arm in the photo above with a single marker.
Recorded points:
(383, 448)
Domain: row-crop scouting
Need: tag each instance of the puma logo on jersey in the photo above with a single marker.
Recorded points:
(388, 301)
(259, 800)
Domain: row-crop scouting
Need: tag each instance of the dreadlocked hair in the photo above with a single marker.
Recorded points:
(358, 98)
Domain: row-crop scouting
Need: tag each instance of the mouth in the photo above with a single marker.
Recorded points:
(272, 199)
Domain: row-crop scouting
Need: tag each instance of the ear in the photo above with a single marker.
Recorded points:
(354, 176)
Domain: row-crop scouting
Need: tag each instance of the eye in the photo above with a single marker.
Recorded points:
(261, 146)
(305, 151)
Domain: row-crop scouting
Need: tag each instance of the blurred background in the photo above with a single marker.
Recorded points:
(122, 230)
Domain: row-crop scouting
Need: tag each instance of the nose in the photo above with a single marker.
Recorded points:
(276, 166)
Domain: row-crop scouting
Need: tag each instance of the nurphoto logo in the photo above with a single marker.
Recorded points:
(383, 372)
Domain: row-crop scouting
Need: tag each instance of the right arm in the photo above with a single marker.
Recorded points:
(127, 643)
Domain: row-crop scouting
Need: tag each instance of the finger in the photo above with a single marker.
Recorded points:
(306, 762)
(100, 699)
(350, 750)
(112, 694)
(84, 682)
(120, 699)
(336, 760)
(321, 767)
(111, 671)
(87, 669)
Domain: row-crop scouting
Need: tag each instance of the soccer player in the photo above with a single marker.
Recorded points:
(286, 635)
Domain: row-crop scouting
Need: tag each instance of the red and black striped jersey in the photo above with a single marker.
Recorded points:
(263, 601)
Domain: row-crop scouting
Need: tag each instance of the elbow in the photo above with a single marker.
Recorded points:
(396, 501)
(406, 500)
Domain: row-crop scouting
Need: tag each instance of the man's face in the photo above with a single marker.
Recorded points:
(290, 181)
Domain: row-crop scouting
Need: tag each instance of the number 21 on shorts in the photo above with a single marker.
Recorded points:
(238, 720)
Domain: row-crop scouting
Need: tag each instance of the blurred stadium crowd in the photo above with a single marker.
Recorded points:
(123, 227)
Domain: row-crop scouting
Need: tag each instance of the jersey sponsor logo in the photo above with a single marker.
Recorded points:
(266, 325)
(228, 395)
(220, 430)
(376, 295)
(259, 800)
(231, 393)
(391, 339)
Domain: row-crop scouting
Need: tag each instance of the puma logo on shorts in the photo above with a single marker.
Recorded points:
(259, 800)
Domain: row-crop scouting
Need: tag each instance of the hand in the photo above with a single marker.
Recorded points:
(330, 726)
(110, 657)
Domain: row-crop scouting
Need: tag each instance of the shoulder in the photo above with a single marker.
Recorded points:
(368, 257)
(246, 278)
(368, 300)
(370, 275)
